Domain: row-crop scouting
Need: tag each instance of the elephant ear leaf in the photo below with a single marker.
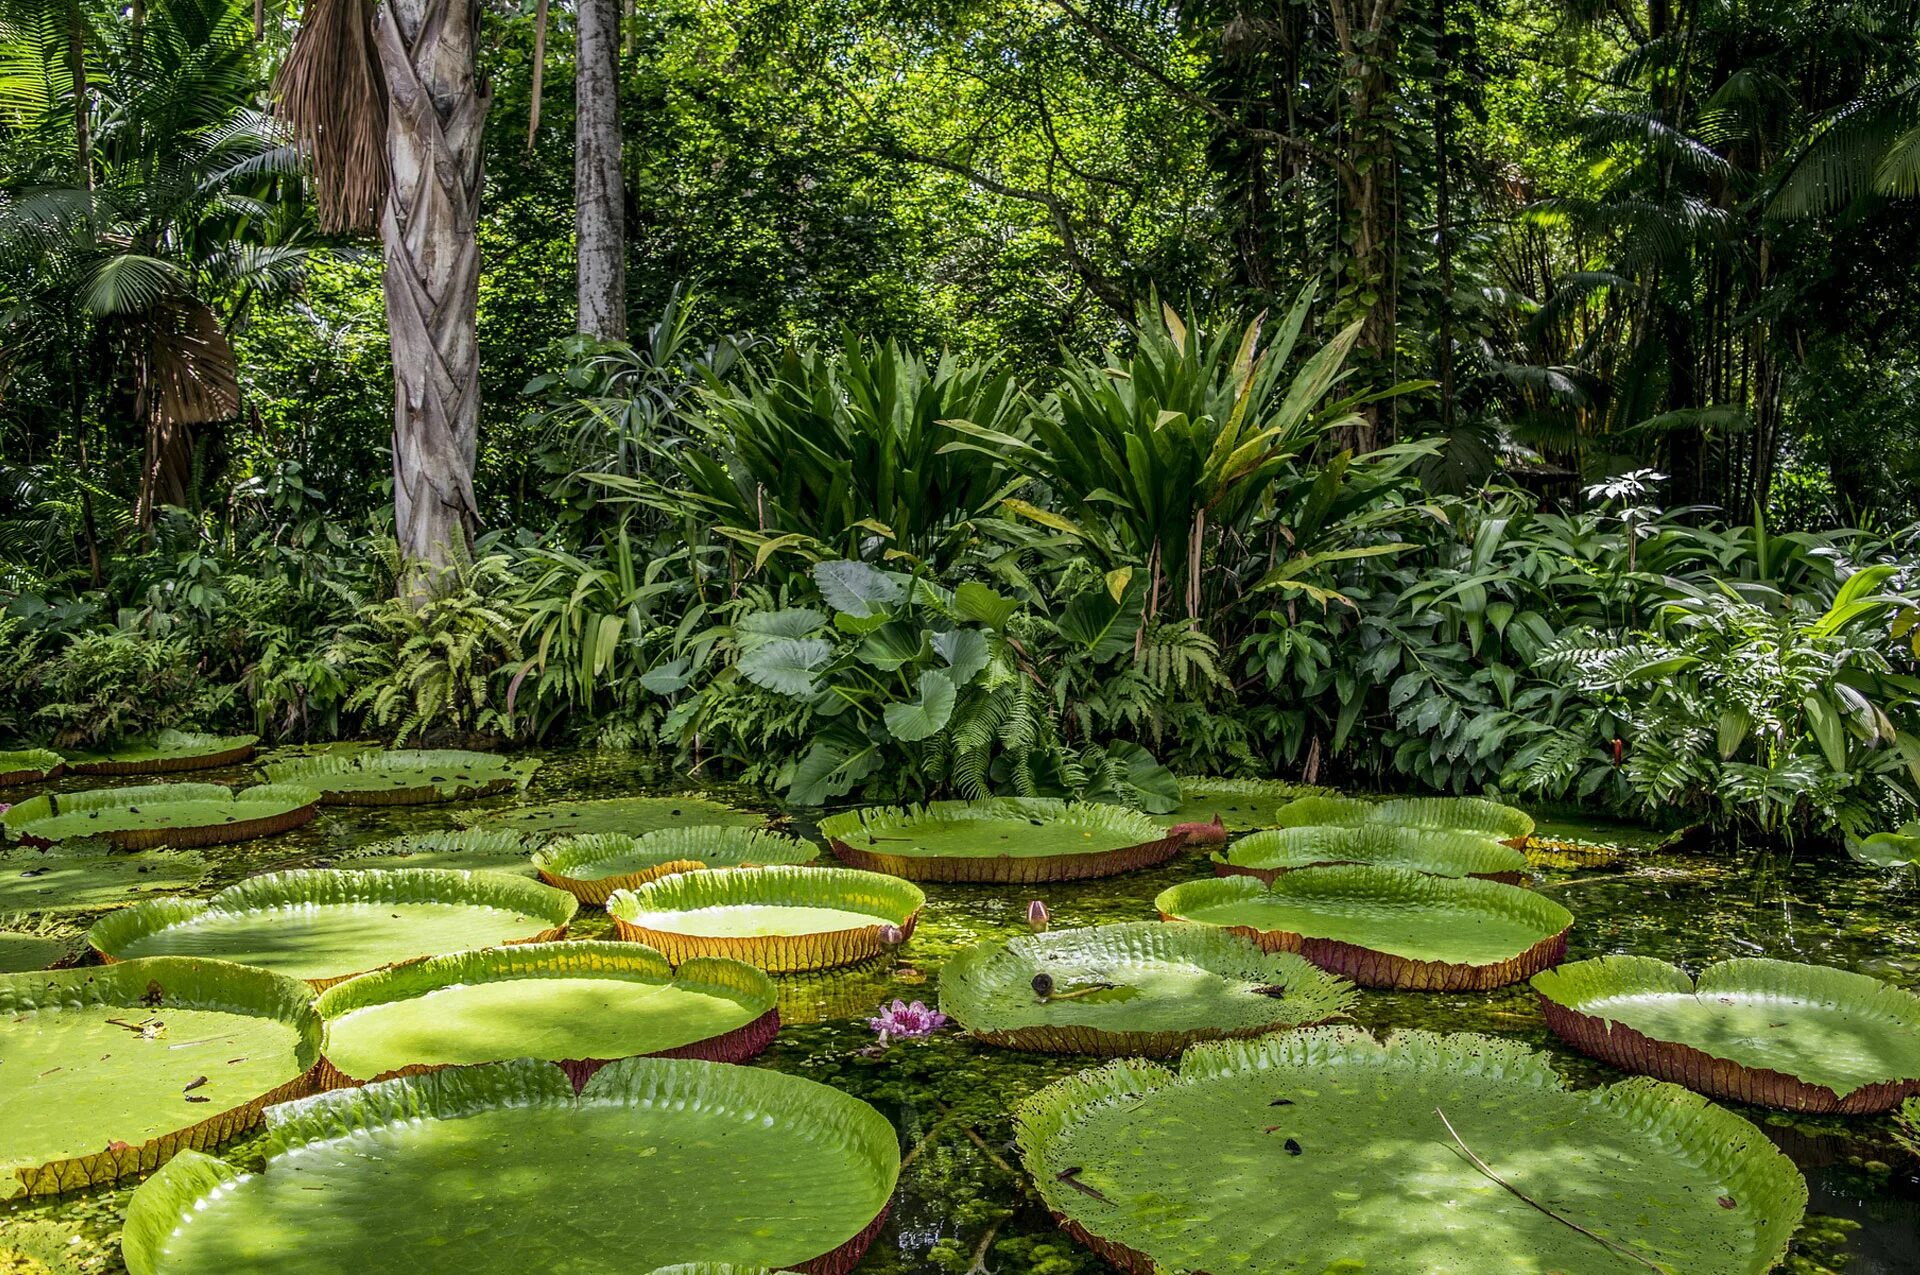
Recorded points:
(858, 589)
(1103, 626)
(785, 665)
(964, 650)
(918, 719)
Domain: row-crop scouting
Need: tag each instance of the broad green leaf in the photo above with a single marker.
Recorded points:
(926, 716)
(786, 665)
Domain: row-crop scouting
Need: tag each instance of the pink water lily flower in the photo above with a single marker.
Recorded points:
(1037, 918)
(901, 1021)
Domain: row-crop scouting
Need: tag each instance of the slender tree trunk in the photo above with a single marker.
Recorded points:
(599, 197)
(437, 109)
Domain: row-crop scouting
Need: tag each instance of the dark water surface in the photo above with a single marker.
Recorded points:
(963, 1206)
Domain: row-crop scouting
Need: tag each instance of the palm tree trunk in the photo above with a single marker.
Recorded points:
(598, 195)
(436, 111)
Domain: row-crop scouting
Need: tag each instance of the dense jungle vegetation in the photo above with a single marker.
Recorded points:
(895, 398)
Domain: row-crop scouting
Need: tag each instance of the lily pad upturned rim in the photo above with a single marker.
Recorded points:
(1146, 840)
(1566, 990)
(1370, 967)
(30, 766)
(493, 773)
(570, 958)
(894, 903)
(167, 752)
(195, 984)
(281, 808)
(1274, 852)
(971, 982)
(323, 886)
(664, 1084)
(1276, 791)
(486, 844)
(1459, 814)
(681, 849)
(1761, 1177)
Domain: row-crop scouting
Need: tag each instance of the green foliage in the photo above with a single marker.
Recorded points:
(107, 686)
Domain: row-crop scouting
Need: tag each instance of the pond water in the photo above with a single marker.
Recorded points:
(963, 1206)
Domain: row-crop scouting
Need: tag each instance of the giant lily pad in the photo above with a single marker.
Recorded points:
(633, 816)
(1442, 854)
(655, 1161)
(1005, 839)
(465, 850)
(30, 766)
(83, 878)
(111, 1071)
(326, 925)
(779, 919)
(1581, 841)
(1386, 927)
(27, 944)
(593, 865)
(1140, 988)
(1325, 1150)
(148, 815)
(578, 1004)
(1451, 814)
(1237, 805)
(1772, 1033)
(405, 776)
(166, 753)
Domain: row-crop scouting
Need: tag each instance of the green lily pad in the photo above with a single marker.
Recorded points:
(1454, 814)
(1897, 849)
(634, 816)
(1772, 1033)
(1442, 854)
(578, 1004)
(592, 865)
(465, 850)
(1324, 1150)
(148, 815)
(1386, 927)
(1139, 988)
(81, 878)
(1584, 842)
(1241, 805)
(405, 776)
(655, 1161)
(327, 925)
(168, 752)
(30, 766)
(27, 944)
(111, 1071)
(780, 919)
(1004, 839)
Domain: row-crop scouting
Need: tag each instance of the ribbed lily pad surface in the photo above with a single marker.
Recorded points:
(82, 878)
(1431, 850)
(25, 947)
(324, 926)
(502, 1170)
(105, 1072)
(463, 850)
(592, 865)
(143, 816)
(1386, 927)
(634, 816)
(1140, 988)
(1325, 1150)
(30, 766)
(780, 919)
(577, 1004)
(168, 752)
(1240, 805)
(1455, 814)
(405, 776)
(1772, 1033)
(1003, 839)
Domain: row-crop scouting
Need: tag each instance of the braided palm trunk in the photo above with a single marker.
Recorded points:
(436, 110)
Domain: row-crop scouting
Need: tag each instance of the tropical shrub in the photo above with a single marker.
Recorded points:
(110, 685)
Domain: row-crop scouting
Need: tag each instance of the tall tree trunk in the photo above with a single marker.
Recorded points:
(436, 110)
(599, 213)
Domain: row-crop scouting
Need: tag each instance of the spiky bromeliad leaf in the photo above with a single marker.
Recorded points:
(142, 816)
(1138, 988)
(579, 1004)
(476, 849)
(788, 666)
(781, 919)
(30, 766)
(593, 865)
(1771, 1033)
(633, 816)
(114, 1070)
(738, 1144)
(327, 925)
(1273, 1141)
(405, 776)
(1386, 927)
(1458, 814)
(1443, 854)
(999, 839)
